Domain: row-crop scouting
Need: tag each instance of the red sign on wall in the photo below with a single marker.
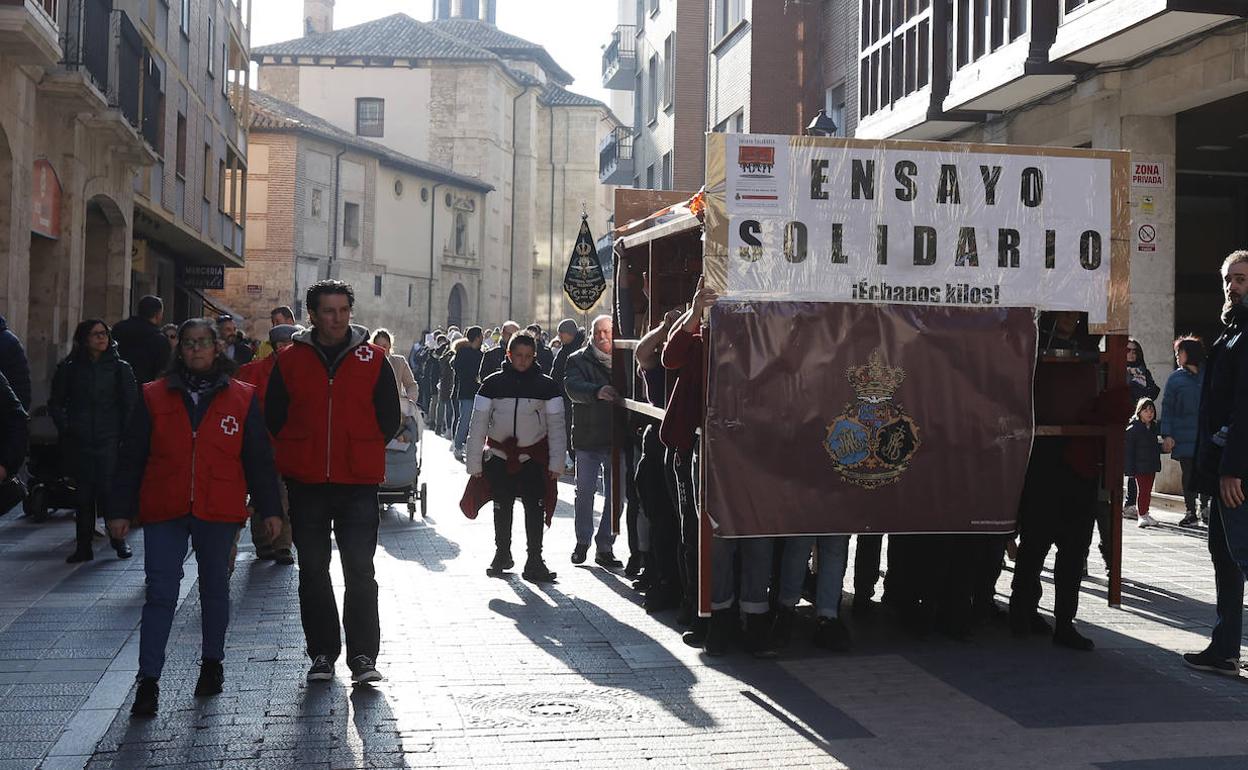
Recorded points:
(45, 204)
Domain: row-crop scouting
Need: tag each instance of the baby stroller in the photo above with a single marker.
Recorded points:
(49, 487)
(403, 460)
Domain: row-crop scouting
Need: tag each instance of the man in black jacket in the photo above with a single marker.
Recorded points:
(571, 339)
(13, 437)
(14, 364)
(140, 343)
(1222, 464)
(493, 360)
(545, 356)
(466, 364)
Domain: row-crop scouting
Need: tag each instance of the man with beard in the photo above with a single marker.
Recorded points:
(1221, 465)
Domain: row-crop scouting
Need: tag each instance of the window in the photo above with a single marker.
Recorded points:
(212, 45)
(377, 286)
(667, 173)
(650, 177)
(186, 18)
(225, 67)
(351, 224)
(207, 171)
(834, 107)
(654, 7)
(639, 95)
(728, 15)
(641, 16)
(221, 186)
(669, 70)
(370, 117)
(180, 158)
(733, 124)
(652, 91)
(409, 294)
(461, 233)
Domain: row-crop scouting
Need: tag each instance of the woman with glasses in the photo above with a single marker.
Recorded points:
(171, 333)
(196, 446)
(93, 394)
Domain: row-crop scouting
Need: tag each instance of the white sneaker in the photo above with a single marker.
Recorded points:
(1130, 512)
(1147, 521)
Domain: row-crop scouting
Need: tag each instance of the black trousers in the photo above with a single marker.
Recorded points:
(656, 501)
(988, 551)
(89, 502)
(1059, 510)
(349, 513)
(1190, 494)
(632, 500)
(528, 484)
(866, 565)
(680, 466)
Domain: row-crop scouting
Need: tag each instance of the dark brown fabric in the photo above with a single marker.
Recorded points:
(940, 446)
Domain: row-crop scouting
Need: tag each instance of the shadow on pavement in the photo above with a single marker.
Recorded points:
(420, 542)
(533, 618)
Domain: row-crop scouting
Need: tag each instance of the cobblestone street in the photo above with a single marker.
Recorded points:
(497, 672)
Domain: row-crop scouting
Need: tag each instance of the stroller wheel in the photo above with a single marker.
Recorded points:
(36, 503)
(424, 501)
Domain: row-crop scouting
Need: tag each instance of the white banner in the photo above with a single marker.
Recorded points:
(920, 226)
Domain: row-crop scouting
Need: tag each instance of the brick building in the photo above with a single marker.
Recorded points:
(465, 95)
(115, 124)
(394, 209)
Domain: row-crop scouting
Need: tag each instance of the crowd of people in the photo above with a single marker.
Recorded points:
(191, 431)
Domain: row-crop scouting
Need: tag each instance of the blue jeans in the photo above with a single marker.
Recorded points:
(164, 551)
(1228, 546)
(590, 464)
(756, 557)
(461, 426)
(833, 555)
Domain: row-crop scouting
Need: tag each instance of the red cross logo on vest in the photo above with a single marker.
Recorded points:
(229, 425)
(364, 353)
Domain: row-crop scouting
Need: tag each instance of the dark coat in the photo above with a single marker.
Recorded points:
(14, 365)
(140, 344)
(467, 365)
(1180, 411)
(492, 362)
(560, 367)
(446, 374)
(591, 417)
(545, 358)
(1224, 404)
(91, 404)
(14, 429)
(1143, 451)
(1141, 384)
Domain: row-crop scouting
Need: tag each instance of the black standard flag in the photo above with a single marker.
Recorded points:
(584, 282)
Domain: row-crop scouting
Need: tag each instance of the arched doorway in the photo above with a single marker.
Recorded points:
(105, 276)
(455, 306)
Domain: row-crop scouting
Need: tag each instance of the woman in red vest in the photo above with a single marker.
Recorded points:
(196, 444)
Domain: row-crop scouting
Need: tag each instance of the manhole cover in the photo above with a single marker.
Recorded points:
(564, 707)
(554, 709)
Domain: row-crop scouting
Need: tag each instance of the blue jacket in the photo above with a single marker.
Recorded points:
(1180, 411)
(1143, 452)
(13, 364)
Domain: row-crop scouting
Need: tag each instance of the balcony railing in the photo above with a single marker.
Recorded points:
(615, 157)
(619, 59)
(86, 37)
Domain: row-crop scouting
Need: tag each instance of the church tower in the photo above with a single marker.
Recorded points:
(318, 17)
(478, 10)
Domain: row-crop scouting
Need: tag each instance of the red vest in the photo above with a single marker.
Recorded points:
(258, 373)
(331, 433)
(198, 472)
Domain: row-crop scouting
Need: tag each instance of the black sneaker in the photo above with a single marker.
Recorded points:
(1191, 520)
(502, 562)
(1207, 661)
(758, 639)
(264, 554)
(661, 598)
(80, 555)
(608, 560)
(284, 557)
(1066, 636)
(322, 669)
(832, 634)
(696, 635)
(579, 553)
(863, 607)
(146, 698)
(363, 670)
(537, 572)
(719, 632)
(211, 679)
(782, 629)
(122, 548)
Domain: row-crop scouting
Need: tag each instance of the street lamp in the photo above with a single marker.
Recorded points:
(822, 125)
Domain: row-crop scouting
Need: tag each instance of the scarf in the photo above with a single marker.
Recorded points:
(603, 358)
(196, 385)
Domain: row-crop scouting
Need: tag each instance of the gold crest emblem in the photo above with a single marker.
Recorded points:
(873, 440)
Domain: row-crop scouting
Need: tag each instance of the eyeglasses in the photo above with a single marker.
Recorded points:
(203, 343)
(98, 334)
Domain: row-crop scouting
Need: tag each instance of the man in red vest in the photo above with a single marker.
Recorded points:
(331, 405)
